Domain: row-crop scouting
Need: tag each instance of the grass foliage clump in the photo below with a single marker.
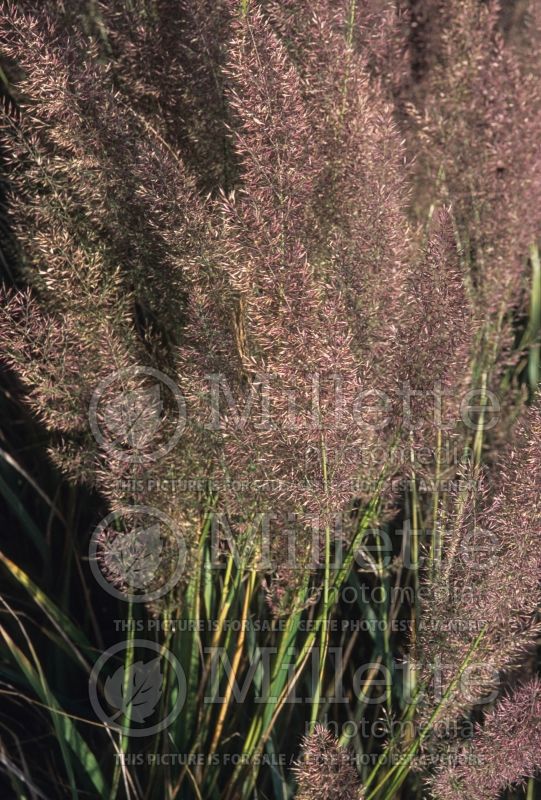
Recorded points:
(272, 452)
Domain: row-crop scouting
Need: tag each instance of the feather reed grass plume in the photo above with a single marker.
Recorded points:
(504, 751)
(362, 190)
(318, 223)
(109, 226)
(479, 117)
(293, 332)
(364, 236)
(279, 281)
(167, 59)
(326, 771)
(491, 540)
(219, 197)
(438, 344)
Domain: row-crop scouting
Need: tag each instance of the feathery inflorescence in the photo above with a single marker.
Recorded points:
(491, 540)
(102, 211)
(505, 750)
(167, 61)
(293, 333)
(438, 344)
(270, 294)
(479, 118)
(221, 194)
(326, 771)
(405, 337)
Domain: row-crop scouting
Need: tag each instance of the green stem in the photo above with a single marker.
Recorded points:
(324, 643)
(401, 768)
(128, 664)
